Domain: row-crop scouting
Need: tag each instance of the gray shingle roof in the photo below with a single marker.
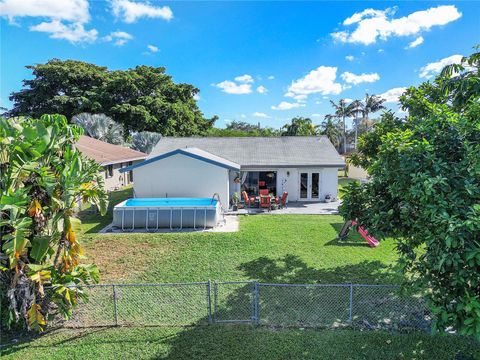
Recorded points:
(259, 152)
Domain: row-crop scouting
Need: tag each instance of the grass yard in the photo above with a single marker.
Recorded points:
(238, 342)
(268, 248)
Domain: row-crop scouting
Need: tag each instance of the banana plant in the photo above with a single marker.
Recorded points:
(42, 176)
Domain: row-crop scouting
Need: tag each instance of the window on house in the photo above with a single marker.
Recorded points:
(109, 171)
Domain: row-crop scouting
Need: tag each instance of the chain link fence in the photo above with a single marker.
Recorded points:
(281, 305)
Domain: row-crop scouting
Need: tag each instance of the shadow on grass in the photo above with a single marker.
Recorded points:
(290, 269)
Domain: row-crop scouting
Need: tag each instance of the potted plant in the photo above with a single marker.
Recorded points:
(328, 198)
(235, 200)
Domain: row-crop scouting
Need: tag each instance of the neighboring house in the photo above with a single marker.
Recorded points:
(112, 158)
(305, 166)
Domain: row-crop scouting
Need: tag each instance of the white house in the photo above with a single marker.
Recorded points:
(304, 166)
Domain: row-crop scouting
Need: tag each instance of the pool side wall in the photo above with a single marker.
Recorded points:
(151, 218)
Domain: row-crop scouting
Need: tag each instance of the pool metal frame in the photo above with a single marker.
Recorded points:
(148, 210)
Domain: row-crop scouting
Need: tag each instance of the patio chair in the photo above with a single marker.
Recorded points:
(282, 201)
(266, 202)
(249, 201)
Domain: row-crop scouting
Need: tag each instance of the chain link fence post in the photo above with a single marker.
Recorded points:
(209, 301)
(215, 290)
(255, 303)
(350, 309)
(115, 308)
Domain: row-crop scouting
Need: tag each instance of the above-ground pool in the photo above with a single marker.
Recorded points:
(172, 213)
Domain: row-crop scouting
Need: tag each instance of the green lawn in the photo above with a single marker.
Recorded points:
(238, 342)
(268, 248)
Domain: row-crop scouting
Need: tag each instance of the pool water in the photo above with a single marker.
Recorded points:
(172, 202)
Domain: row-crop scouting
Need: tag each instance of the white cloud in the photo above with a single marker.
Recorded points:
(321, 80)
(243, 116)
(350, 57)
(196, 97)
(67, 10)
(231, 87)
(358, 79)
(120, 38)
(241, 85)
(372, 24)
(75, 33)
(262, 89)
(271, 77)
(392, 95)
(63, 19)
(316, 115)
(284, 105)
(153, 48)
(418, 41)
(431, 69)
(131, 11)
(244, 78)
(260, 115)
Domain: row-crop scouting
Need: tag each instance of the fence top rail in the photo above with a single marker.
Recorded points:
(331, 285)
(346, 285)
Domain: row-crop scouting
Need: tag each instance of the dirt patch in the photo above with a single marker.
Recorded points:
(120, 260)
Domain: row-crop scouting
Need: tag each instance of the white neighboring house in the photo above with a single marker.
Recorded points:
(112, 158)
(304, 166)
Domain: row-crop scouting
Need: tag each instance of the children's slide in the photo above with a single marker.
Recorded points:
(368, 238)
(361, 230)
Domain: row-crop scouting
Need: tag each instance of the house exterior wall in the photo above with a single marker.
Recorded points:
(181, 176)
(117, 179)
(288, 179)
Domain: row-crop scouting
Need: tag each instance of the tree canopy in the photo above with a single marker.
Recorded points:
(425, 191)
(144, 98)
(299, 126)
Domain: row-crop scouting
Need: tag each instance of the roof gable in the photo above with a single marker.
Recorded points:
(194, 153)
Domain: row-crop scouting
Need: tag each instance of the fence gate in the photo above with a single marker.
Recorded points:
(235, 302)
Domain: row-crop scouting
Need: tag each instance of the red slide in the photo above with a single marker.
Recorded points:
(368, 238)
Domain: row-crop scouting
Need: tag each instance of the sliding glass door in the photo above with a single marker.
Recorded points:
(310, 186)
(255, 181)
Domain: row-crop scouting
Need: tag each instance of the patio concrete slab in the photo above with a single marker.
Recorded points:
(299, 208)
(229, 225)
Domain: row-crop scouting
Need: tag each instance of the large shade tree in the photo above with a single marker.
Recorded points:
(41, 179)
(144, 98)
(425, 191)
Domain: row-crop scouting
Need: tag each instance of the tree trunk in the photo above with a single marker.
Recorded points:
(344, 137)
(356, 130)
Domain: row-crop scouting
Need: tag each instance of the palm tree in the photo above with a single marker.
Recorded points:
(145, 141)
(101, 127)
(330, 129)
(299, 126)
(343, 111)
(355, 108)
(371, 104)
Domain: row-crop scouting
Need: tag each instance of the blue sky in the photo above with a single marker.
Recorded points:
(252, 61)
